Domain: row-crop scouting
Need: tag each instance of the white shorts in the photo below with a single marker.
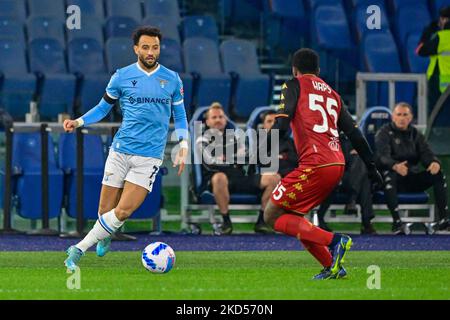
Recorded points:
(122, 167)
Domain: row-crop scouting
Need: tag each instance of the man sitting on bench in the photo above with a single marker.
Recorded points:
(400, 148)
(223, 176)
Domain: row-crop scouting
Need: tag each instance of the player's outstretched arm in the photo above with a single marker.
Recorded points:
(100, 111)
(92, 116)
(359, 142)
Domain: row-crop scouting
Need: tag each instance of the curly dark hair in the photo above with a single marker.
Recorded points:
(146, 31)
(306, 61)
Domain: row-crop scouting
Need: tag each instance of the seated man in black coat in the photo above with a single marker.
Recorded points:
(223, 173)
(400, 149)
(287, 156)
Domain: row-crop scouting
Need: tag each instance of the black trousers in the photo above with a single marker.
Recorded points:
(356, 184)
(415, 182)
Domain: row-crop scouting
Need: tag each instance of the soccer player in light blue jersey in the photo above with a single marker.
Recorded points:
(149, 95)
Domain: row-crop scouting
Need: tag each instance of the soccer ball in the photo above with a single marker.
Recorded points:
(158, 257)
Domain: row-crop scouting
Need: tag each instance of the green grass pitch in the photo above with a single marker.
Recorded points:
(266, 275)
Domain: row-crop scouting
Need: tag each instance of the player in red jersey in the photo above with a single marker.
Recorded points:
(316, 114)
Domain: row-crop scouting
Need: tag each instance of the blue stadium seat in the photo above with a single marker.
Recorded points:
(26, 160)
(11, 28)
(371, 121)
(86, 60)
(47, 56)
(416, 63)
(313, 4)
(171, 58)
(293, 9)
(46, 27)
(168, 27)
(252, 87)
(436, 5)
(380, 54)
(56, 96)
(89, 8)
(120, 27)
(360, 20)
(17, 85)
(93, 162)
(58, 87)
(92, 90)
(166, 8)
(207, 197)
(236, 11)
(199, 26)
(14, 9)
(119, 53)
(17, 91)
(330, 36)
(12, 57)
(91, 28)
(124, 8)
(401, 4)
(171, 55)
(85, 56)
(331, 30)
(286, 17)
(201, 58)
(405, 25)
(378, 58)
(367, 3)
(382, 57)
(240, 56)
(47, 8)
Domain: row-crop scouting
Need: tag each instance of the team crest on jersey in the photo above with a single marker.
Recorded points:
(334, 144)
(162, 83)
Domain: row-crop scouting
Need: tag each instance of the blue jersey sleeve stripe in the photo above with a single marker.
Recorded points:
(178, 103)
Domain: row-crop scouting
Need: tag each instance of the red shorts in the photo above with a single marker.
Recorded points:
(305, 188)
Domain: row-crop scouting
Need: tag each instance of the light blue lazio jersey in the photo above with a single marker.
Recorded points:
(147, 101)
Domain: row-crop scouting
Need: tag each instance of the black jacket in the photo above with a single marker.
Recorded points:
(287, 155)
(395, 146)
(212, 162)
(429, 41)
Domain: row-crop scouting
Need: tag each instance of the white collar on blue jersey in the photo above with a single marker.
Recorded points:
(147, 73)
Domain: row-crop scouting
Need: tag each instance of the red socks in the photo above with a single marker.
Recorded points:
(321, 253)
(302, 229)
(314, 239)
